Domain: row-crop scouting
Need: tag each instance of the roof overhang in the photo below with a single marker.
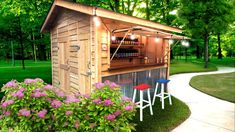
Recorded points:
(90, 10)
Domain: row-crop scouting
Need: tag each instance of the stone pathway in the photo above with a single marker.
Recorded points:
(208, 114)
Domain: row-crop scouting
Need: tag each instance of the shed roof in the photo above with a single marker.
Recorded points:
(101, 13)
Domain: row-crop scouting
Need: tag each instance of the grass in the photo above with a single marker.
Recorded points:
(162, 120)
(40, 69)
(181, 66)
(218, 85)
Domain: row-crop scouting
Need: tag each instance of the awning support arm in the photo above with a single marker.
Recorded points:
(171, 48)
(119, 45)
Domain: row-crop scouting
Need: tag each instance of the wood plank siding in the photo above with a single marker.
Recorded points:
(71, 36)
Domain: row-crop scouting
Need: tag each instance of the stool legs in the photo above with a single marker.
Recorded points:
(162, 95)
(150, 105)
(141, 105)
(155, 92)
(134, 95)
(170, 99)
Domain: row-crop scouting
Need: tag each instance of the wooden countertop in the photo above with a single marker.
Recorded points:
(131, 69)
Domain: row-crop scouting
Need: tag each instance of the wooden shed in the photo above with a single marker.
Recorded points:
(90, 44)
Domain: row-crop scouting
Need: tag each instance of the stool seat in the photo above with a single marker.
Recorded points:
(162, 81)
(162, 95)
(142, 86)
(140, 103)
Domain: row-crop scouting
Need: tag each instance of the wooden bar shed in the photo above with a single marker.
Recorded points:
(90, 44)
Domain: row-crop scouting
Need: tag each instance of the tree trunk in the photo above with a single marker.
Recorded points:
(172, 55)
(186, 57)
(206, 41)
(21, 44)
(117, 5)
(198, 52)
(219, 47)
(147, 10)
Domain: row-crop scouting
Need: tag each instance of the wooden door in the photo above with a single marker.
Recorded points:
(63, 66)
(84, 67)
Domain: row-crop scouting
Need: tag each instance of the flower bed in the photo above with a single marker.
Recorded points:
(33, 105)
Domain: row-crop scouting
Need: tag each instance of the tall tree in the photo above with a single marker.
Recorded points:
(225, 16)
(199, 19)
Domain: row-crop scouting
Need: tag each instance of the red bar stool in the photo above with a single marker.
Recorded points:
(162, 93)
(141, 88)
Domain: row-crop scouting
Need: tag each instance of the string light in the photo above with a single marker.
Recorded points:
(185, 43)
(113, 38)
(96, 19)
(132, 37)
(171, 41)
(157, 39)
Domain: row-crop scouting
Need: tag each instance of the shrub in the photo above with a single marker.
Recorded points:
(33, 105)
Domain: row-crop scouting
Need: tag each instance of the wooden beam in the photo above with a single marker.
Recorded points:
(106, 14)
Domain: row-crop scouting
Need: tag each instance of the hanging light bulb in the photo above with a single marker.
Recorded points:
(171, 41)
(96, 20)
(185, 43)
(132, 37)
(113, 38)
(157, 39)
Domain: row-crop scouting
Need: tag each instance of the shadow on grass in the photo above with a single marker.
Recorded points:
(162, 120)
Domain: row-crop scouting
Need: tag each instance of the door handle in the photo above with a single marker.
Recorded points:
(88, 73)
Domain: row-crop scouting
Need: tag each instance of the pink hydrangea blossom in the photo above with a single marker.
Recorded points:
(10, 130)
(28, 81)
(69, 112)
(78, 94)
(7, 103)
(38, 94)
(108, 102)
(49, 99)
(7, 113)
(48, 87)
(12, 83)
(37, 90)
(38, 80)
(19, 93)
(110, 117)
(117, 113)
(124, 98)
(99, 85)
(71, 99)
(56, 103)
(76, 124)
(42, 113)
(129, 108)
(60, 94)
(24, 112)
(87, 96)
(97, 101)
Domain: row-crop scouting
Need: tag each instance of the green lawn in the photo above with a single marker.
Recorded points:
(162, 120)
(181, 66)
(40, 69)
(218, 85)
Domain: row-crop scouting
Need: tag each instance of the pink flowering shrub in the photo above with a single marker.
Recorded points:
(33, 105)
(29, 105)
(107, 110)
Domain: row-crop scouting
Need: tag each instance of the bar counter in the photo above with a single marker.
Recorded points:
(129, 77)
